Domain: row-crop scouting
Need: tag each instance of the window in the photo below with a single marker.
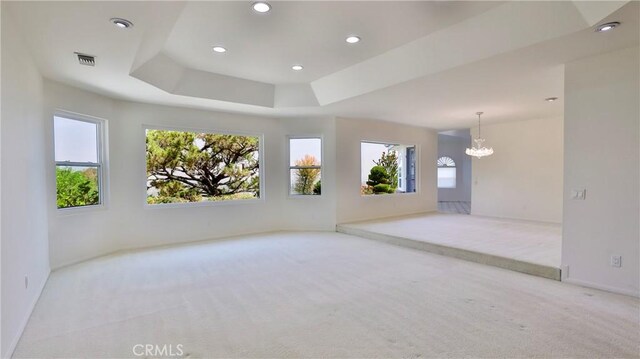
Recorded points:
(191, 166)
(79, 163)
(387, 168)
(446, 172)
(305, 166)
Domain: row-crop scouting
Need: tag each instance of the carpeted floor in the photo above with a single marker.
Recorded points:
(533, 242)
(291, 295)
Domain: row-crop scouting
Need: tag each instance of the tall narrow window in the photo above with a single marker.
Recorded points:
(79, 167)
(305, 166)
(446, 172)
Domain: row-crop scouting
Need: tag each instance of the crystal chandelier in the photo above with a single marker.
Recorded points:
(478, 150)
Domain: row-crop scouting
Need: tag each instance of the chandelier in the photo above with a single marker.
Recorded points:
(478, 150)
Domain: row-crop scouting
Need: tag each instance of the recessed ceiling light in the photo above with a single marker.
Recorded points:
(608, 26)
(352, 39)
(219, 49)
(121, 23)
(261, 6)
(297, 67)
(550, 99)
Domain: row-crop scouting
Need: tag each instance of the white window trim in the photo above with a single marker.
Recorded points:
(289, 167)
(417, 169)
(261, 154)
(102, 164)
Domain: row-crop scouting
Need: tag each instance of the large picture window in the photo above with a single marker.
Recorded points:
(387, 168)
(305, 166)
(190, 166)
(79, 165)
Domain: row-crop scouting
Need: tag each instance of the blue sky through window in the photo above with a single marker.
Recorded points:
(299, 147)
(75, 141)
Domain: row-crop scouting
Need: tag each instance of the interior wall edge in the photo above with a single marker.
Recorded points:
(25, 252)
(14, 343)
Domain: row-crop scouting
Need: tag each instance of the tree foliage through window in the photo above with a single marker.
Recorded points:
(306, 178)
(75, 188)
(193, 167)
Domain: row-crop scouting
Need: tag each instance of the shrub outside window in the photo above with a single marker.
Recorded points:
(185, 166)
(78, 152)
(305, 166)
(387, 168)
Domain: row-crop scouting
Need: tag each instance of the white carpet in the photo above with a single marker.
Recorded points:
(533, 242)
(320, 295)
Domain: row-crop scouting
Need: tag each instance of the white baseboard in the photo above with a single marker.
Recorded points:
(584, 283)
(25, 320)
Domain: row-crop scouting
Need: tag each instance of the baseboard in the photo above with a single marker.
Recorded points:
(516, 218)
(587, 284)
(132, 249)
(25, 320)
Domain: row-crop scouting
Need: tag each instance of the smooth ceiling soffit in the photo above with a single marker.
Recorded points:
(502, 29)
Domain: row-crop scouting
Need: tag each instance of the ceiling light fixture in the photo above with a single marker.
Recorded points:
(297, 67)
(550, 99)
(261, 6)
(352, 39)
(478, 150)
(608, 26)
(219, 49)
(121, 23)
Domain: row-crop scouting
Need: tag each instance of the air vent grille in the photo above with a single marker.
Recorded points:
(86, 60)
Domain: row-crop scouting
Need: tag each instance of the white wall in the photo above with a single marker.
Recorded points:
(454, 147)
(351, 206)
(128, 223)
(312, 212)
(523, 178)
(24, 219)
(602, 100)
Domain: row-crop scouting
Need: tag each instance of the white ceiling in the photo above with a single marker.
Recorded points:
(430, 64)
(263, 47)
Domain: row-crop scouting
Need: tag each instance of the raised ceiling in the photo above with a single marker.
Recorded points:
(263, 47)
(430, 64)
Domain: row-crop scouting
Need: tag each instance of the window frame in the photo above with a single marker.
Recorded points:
(416, 168)
(455, 167)
(290, 167)
(261, 154)
(101, 154)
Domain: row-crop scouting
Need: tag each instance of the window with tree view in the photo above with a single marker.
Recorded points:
(77, 146)
(188, 167)
(387, 168)
(305, 166)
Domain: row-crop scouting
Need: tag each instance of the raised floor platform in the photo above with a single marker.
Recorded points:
(522, 246)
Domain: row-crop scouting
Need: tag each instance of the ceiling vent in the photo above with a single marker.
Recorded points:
(86, 60)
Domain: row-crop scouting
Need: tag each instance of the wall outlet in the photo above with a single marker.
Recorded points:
(579, 194)
(616, 261)
(26, 282)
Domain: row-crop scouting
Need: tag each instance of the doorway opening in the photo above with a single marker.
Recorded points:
(454, 172)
